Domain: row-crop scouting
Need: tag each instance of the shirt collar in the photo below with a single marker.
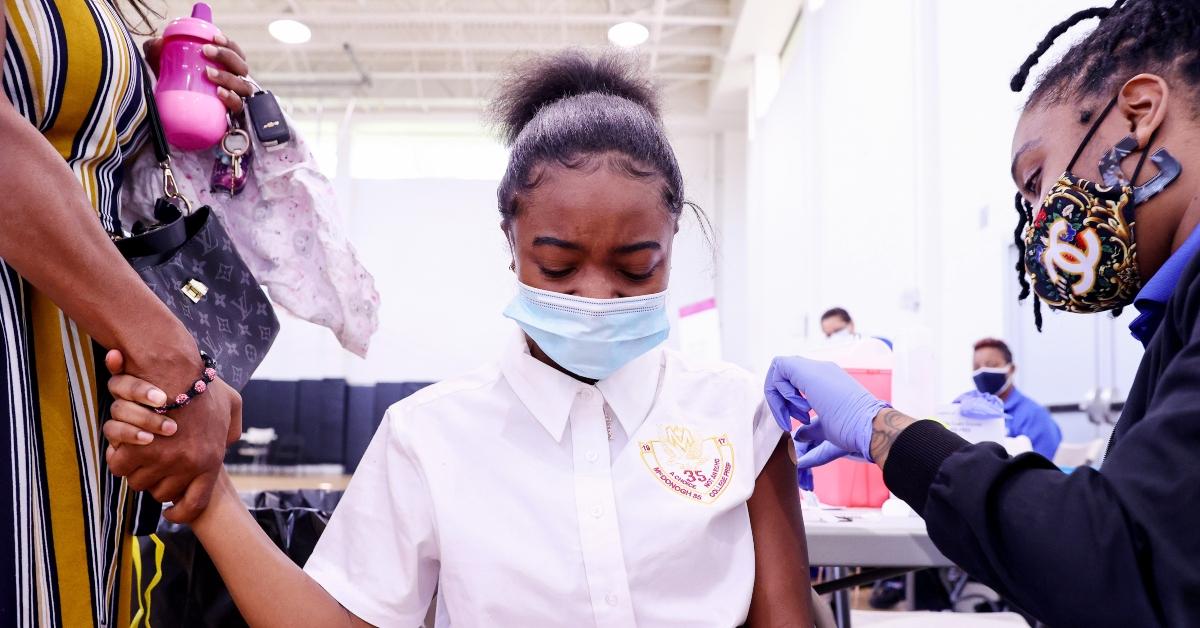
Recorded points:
(1151, 301)
(632, 389)
(1014, 398)
(548, 393)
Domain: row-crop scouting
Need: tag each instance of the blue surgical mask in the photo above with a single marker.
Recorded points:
(591, 338)
(993, 380)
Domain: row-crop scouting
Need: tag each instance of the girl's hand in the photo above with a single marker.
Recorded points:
(132, 422)
(232, 85)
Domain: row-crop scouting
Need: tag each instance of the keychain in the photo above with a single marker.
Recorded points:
(232, 164)
(266, 118)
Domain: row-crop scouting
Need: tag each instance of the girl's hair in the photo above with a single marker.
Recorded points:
(1134, 36)
(572, 108)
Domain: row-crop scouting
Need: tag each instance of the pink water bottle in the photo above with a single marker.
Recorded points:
(192, 115)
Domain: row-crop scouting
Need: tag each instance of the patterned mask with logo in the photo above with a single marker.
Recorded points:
(1080, 250)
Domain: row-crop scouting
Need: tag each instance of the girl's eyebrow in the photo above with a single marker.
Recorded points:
(552, 241)
(638, 246)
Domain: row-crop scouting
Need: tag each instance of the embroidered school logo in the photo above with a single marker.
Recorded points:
(698, 470)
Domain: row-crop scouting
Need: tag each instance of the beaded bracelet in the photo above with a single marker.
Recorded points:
(198, 388)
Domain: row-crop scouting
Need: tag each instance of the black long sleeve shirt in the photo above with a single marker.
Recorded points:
(1117, 547)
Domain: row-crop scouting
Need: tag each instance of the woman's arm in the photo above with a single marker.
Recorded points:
(51, 236)
(781, 584)
(269, 589)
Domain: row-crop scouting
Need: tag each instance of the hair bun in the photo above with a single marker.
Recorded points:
(546, 79)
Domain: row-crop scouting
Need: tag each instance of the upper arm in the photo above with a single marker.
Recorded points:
(781, 581)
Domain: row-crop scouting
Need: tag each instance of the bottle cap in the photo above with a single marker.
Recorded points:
(202, 11)
(199, 25)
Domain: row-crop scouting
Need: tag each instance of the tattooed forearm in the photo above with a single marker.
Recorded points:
(887, 426)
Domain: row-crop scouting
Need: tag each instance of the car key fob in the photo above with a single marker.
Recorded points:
(266, 118)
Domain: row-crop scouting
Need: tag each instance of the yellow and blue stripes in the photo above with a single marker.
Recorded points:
(71, 69)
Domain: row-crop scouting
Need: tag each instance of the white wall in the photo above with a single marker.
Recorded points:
(440, 265)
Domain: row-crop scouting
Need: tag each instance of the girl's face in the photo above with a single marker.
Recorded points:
(593, 232)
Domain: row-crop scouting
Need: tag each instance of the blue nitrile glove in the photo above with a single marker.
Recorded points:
(804, 478)
(845, 409)
(980, 405)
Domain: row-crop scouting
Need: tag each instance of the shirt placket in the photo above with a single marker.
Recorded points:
(599, 531)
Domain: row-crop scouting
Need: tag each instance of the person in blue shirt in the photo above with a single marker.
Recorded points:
(994, 371)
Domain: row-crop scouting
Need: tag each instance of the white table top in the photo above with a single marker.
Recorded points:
(868, 539)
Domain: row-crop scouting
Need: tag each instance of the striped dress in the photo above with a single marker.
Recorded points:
(70, 68)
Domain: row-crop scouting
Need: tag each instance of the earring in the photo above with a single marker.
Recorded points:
(1110, 163)
(1110, 169)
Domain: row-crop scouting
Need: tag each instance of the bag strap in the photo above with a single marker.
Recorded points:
(158, 135)
(158, 139)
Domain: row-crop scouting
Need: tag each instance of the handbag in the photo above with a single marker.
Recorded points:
(188, 260)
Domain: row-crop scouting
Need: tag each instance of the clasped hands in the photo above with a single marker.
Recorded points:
(177, 458)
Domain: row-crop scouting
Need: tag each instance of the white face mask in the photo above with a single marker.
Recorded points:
(842, 335)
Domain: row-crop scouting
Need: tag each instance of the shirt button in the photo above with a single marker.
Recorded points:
(585, 394)
(591, 456)
(611, 599)
(597, 511)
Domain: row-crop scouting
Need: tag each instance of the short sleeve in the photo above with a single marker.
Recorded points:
(766, 436)
(379, 557)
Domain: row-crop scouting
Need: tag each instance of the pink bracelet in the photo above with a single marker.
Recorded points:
(199, 387)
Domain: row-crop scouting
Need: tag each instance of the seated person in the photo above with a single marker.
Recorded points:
(838, 327)
(836, 323)
(994, 370)
(589, 476)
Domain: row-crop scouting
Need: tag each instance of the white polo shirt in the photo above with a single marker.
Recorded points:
(527, 498)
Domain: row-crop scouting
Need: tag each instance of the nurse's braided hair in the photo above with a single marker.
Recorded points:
(570, 107)
(1134, 36)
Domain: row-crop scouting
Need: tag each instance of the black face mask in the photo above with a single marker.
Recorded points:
(1080, 249)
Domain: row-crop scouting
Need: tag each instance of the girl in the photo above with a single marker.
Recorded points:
(589, 477)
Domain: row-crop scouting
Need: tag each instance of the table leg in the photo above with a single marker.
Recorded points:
(841, 600)
(910, 590)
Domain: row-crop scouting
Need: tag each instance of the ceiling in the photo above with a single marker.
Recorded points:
(445, 55)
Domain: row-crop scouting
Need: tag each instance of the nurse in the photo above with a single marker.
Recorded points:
(589, 477)
(994, 373)
(1107, 160)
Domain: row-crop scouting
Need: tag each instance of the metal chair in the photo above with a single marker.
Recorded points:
(822, 612)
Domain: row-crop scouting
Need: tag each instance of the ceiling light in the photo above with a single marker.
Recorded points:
(290, 31)
(628, 34)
